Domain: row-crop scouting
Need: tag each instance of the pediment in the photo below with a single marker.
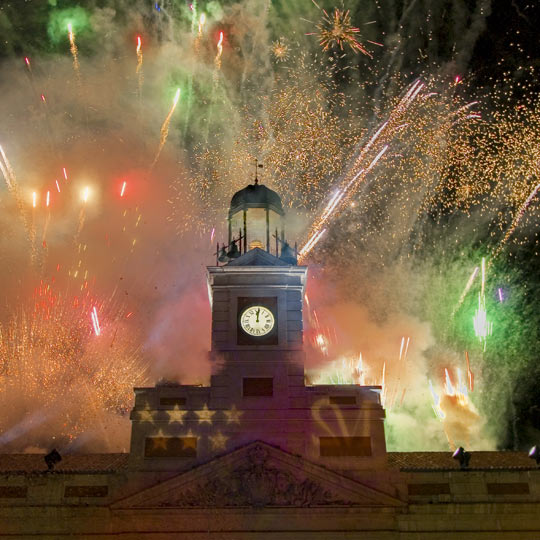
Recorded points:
(258, 475)
(257, 257)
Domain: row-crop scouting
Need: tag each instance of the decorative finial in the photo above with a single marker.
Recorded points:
(257, 167)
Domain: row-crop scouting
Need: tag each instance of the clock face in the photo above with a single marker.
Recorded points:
(257, 321)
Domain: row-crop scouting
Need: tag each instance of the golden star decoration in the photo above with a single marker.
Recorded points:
(233, 415)
(205, 414)
(218, 441)
(159, 440)
(176, 415)
(146, 416)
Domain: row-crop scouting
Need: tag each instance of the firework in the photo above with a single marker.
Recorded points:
(13, 186)
(515, 222)
(280, 50)
(466, 290)
(217, 59)
(85, 195)
(50, 352)
(47, 220)
(455, 410)
(74, 52)
(95, 321)
(359, 171)
(470, 374)
(439, 413)
(164, 132)
(202, 20)
(337, 30)
(138, 69)
(482, 327)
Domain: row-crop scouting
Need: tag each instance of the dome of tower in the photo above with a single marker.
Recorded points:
(256, 196)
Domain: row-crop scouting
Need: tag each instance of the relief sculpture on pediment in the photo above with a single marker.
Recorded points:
(256, 483)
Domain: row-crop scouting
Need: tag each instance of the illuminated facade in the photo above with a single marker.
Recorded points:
(258, 453)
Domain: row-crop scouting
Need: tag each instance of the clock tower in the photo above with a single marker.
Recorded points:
(257, 390)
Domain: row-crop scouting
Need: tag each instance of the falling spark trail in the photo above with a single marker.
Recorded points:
(74, 53)
(406, 348)
(448, 387)
(138, 70)
(123, 189)
(312, 242)
(482, 327)
(515, 222)
(483, 289)
(439, 413)
(202, 20)
(384, 133)
(383, 385)
(165, 128)
(9, 175)
(95, 321)
(217, 60)
(82, 214)
(466, 290)
(33, 227)
(13, 186)
(470, 374)
(47, 220)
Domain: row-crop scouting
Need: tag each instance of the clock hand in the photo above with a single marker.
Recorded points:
(258, 311)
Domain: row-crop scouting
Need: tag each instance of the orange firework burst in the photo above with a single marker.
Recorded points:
(280, 50)
(336, 29)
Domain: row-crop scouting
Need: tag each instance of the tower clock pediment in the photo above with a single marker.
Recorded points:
(257, 257)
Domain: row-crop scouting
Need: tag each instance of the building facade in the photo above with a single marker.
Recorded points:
(259, 453)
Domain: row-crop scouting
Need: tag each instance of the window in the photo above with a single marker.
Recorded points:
(86, 491)
(170, 447)
(258, 387)
(508, 488)
(428, 489)
(13, 492)
(345, 446)
(342, 400)
(172, 401)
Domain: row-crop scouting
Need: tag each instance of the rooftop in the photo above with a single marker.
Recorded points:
(405, 461)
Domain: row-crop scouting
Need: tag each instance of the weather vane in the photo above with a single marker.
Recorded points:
(257, 167)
